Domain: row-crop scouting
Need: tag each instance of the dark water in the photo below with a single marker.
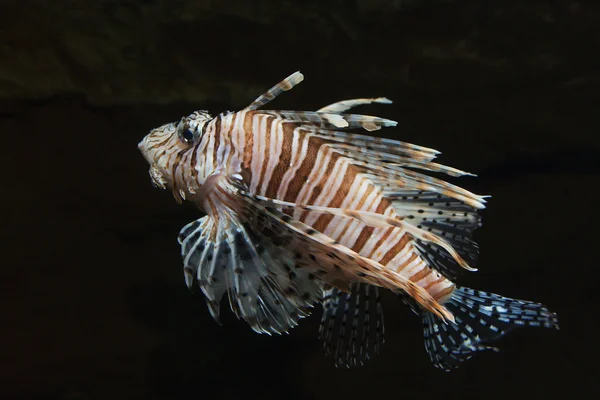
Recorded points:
(93, 298)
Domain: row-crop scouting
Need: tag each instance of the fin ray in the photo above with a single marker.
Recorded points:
(283, 86)
(480, 318)
(329, 255)
(331, 120)
(352, 327)
(380, 221)
(344, 105)
(263, 286)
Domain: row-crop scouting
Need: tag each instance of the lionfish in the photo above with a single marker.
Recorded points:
(302, 209)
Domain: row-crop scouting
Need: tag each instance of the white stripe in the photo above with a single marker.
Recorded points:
(238, 139)
(429, 278)
(330, 187)
(209, 161)
(376, 235)
(258, 150)
(439, 287)
(351, 200)
(201, 154)
(315, 176)
(414, 267)
(223, 144)
(356, 227)
(402, 256)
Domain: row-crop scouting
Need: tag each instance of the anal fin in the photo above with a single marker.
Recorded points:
(352, 327)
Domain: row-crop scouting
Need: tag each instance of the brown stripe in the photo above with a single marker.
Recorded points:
(178, 156)
(194, 161)
(267, 135)
(284, 160)
(344, 190)
(303, 171)
(359, 206)
(228, 140)
(183, 168)
(247, 150)
(328, 168)
(249, 139)
(397, 248)
(444, 293)
(217, 137)
(387, 233)
(425, 270)
(322, 222)
(318, 188)
(435, 282)
(365, 235)
(159, 144)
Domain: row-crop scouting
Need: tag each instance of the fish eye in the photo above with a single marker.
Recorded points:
(187, 135)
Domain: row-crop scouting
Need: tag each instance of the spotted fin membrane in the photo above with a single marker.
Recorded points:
(480, 318)
(331, 261)
(352, 328)
(263, 286)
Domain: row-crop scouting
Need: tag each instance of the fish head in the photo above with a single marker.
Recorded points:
(166, 146)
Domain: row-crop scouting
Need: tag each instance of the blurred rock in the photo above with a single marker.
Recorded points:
(159, 51)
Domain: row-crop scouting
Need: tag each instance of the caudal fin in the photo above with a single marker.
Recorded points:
(481, 318)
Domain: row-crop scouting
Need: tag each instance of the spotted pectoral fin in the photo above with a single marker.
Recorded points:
(352, 328)
(264, 288)
(331, 261)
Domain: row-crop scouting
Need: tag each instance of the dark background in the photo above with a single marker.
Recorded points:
(93, 300)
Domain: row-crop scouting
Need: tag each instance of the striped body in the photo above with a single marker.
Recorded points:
(300, 210)
(281, 161)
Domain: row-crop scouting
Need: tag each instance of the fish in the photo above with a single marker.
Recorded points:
(308, 208)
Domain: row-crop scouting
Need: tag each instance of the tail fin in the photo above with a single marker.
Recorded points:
(481, 318)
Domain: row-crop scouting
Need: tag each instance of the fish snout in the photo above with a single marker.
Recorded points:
(146, 150)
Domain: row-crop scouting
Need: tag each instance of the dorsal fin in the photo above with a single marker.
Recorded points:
(283, 86)
(344, 105)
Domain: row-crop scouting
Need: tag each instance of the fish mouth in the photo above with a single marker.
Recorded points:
(157, 177)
